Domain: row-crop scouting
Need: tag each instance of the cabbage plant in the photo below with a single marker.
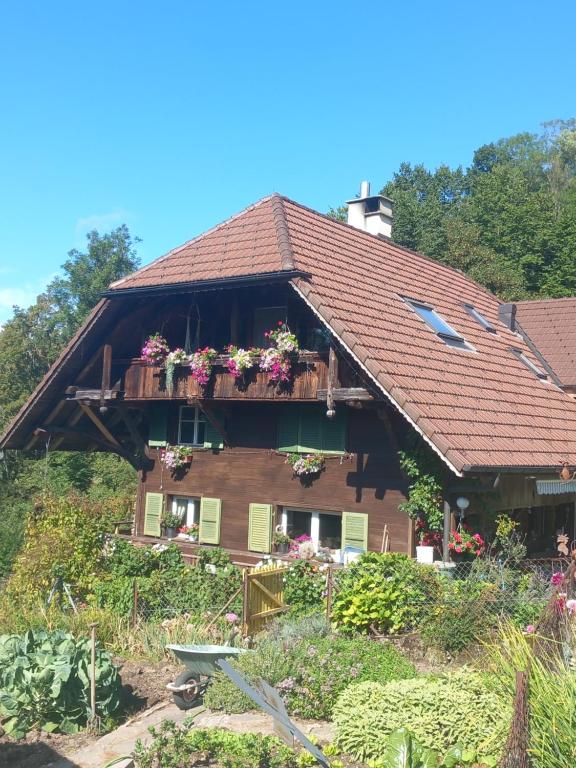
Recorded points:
(45, 682)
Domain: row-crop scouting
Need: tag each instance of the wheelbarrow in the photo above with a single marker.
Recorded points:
(200, 662)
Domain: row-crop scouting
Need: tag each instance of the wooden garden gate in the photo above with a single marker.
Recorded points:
(263, 596)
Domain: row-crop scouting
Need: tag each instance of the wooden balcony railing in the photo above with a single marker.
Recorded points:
(141, 381)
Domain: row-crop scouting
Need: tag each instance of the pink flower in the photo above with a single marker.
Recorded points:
(231, 617)
(530, 629)
(557, 578)
(571, 606)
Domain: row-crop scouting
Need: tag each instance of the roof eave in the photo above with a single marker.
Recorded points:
(239, 281)
(512, 469)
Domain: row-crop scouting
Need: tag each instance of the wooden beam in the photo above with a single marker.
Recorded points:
(214, 421)
(72, 421)
(345, 393)
(76, 393)
(52, 415)
(131, 458)
(332, 381)
(99, 424)
(106, 373)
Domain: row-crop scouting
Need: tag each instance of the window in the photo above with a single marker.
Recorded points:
(266, 319)
(473, 312)
(324, 528)
(448, 335)
(306, 429)
(529, 364)
(191, 426)
(186, 508)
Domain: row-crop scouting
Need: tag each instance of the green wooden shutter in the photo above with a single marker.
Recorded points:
(310, 437)
(334, 432)
(209, 521)
(287, 439)
(260, 528)
(355, 530)
(212, 438)
(153, 513)
(158, 425)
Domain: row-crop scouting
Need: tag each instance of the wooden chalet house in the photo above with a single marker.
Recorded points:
(391, 343)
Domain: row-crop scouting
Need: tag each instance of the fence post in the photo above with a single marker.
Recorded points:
(93, 671)
(134, 602)
(245, 603)
(329, 588)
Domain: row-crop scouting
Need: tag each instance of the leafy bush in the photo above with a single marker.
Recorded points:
(323, 667)
(310, 673)
(461, 615)
(65, 533)
(45, 683)
(175, 746)
(386, 592)
(304, 586)
(404, 751)
(166, 585)
(440, 712)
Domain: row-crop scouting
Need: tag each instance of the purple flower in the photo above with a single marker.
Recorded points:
(530, 629)
(231, 617)
(557, 578)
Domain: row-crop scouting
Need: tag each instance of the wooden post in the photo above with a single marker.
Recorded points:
(245, 603)
(93, 670)
(446, 534)
(329, 589)
(106, 373)
(134, 602)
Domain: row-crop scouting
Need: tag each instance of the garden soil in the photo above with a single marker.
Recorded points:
(144, 686)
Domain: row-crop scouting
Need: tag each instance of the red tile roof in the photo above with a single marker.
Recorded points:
(480, 409)
(551, 325)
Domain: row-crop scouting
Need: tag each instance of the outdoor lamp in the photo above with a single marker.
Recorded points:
(462, 503)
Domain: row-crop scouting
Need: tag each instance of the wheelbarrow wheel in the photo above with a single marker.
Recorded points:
(188, 698)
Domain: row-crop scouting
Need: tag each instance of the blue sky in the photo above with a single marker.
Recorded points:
(172, 116)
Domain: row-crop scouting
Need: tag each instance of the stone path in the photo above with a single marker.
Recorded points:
(121, 742)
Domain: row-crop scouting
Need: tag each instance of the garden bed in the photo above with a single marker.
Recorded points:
(144, 685)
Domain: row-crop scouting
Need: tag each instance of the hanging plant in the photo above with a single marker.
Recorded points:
(240, 360)
(155, 350)
(277, 359)
(201, 365)
(176, 357)
(309, 464)
(176, 457)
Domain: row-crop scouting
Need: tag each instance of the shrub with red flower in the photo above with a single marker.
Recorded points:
(463, 542)
(201, 365)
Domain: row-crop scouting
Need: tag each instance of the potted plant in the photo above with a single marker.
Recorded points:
(176, 457)
(189, 532)
(240, 360)
(201, 365)
(176, 357)
(172, 522)
(305, 465)
(155, 350)
(281, 541)
(277, 359)
(464, 545)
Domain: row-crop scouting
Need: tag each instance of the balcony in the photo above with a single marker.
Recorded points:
(140, 381)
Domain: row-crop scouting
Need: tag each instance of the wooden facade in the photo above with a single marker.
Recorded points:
(365, 479)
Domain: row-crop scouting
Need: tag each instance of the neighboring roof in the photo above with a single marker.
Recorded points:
(551, 325)
(481, 410)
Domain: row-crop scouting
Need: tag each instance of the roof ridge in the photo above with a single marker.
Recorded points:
(384, 239)
(173, 251)
(282, 232)
(546, 300)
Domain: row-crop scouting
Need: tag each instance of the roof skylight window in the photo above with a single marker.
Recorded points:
(448, 335)
(529, 364)
(473, 312)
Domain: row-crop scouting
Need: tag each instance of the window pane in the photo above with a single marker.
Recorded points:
(201, 432)
(434, 320)
(181, 507)
(187, 414)
(187, 432)
(331, 531)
